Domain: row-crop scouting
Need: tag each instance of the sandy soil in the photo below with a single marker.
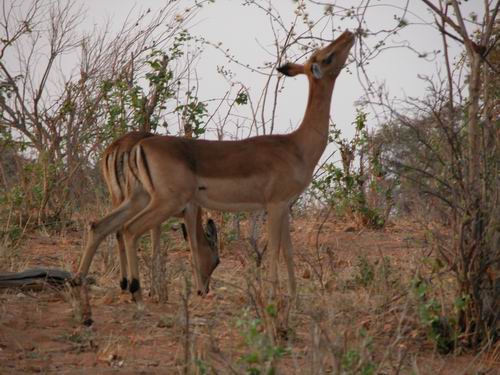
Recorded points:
(39, 333)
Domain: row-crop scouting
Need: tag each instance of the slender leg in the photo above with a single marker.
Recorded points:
(123, 261)
(286, 245)
(107, 225)
(152, 216)
(133, 269)
(98, 231)
(190, 214)
(274, 224)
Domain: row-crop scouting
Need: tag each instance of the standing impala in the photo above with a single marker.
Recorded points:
(114, 173)
(169, 175)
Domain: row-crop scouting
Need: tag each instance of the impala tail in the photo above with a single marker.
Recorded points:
(112, 168)
(138, 167)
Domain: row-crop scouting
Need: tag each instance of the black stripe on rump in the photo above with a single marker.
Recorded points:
(146, 166)
(117, 170)
(132, 165)
(106, 164)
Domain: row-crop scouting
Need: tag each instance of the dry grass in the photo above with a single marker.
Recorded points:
(358, 312)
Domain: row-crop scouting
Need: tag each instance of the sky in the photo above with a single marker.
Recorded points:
(248, 34)
(246, 31)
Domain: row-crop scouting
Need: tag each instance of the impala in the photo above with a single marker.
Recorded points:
(115, 175)
(168, 175)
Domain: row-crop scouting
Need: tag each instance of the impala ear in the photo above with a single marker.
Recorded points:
(184, 232)
(211, 233)
(316, 71)
(291, 69)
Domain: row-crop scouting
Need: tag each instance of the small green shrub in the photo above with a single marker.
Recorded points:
(357, 361)
(347, 187)
(365, 271)
(440, 329)
(262, 353)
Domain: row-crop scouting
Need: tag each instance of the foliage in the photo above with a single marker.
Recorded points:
(366, 271)
(442, 330)
(357, 361)
(444, 148)
(192, 115)
(439, 155)
(51, 137)
(128, 106)
(350, 188)
(262, 353)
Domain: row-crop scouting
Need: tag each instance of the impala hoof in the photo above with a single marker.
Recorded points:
(88, 322)
(124, 283)
(203, 293)
(134, 286)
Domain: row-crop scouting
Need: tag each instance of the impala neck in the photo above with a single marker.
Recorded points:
(312, 134)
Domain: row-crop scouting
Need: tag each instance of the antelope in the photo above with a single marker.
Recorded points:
(168, 175)
(114, 174)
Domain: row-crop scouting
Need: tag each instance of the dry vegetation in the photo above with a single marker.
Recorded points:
(397, 241)
(359, 311)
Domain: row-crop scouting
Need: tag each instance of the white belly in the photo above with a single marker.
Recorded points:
(231, 195)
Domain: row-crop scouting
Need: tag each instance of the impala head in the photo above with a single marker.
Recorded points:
(210, 260)
(325, 63)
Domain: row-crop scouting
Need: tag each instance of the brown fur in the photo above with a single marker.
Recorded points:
(114, 173)
(259, 173)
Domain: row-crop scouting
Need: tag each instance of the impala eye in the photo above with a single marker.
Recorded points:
(328, 60)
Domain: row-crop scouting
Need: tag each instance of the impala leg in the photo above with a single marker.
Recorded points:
(274, 225)
(190, 215)
(152, 216)
(98, 231)
(133, 269)
(287, 247)
(123, 261)
(107, 225)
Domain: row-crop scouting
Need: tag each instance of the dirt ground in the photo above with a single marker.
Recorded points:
(338, 323)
